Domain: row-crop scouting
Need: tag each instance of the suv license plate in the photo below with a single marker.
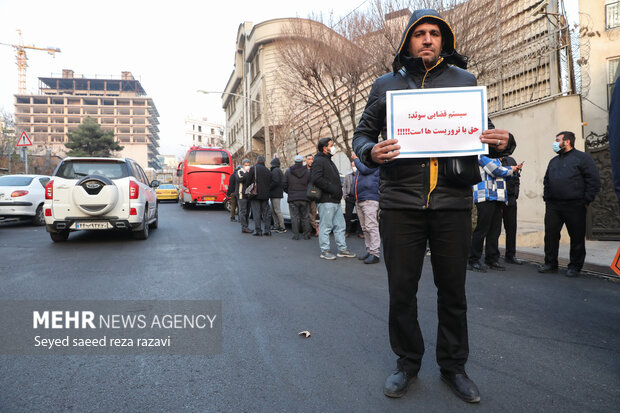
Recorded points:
(91, 225)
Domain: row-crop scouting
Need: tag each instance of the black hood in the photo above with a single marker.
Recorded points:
(448, 51)
(275, 162)
(299, 170)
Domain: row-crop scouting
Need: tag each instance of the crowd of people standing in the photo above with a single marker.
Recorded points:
(258, 190)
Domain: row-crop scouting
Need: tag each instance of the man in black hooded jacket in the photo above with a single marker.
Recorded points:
(419, 203)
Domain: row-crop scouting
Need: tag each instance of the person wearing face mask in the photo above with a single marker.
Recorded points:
(242, 198)
(570, 185)
(325, 176)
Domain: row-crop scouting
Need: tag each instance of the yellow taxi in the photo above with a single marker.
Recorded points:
(167, 192)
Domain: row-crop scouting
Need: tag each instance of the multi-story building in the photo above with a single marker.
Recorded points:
(120, 105)
(202, 132)
(601, 18)
(253, 100)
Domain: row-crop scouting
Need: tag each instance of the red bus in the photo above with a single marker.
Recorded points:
(204, 175)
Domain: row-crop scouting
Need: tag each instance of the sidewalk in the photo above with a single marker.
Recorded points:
(531, 247)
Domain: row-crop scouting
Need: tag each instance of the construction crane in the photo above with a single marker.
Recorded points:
(22, 60)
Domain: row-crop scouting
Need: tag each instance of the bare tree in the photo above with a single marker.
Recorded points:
(327, 68)
(7, 130)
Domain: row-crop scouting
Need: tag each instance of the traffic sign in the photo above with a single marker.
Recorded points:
(615, 264)
(24, 140)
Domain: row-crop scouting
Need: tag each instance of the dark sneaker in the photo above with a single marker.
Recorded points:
(327, 255)
(496, 266)
(257, 234)
(346, 254)
(363, 257)
(547, 268)
(476, 266)
(572, 272)
(267, 234)
(371, 259)
(513, 260)
(281, 230)
(295, 237)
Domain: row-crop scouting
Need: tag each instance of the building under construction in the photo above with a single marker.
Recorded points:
(119, 105)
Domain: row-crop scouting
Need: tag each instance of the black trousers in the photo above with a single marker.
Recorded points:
(299, 216)
(244, 212)
(488, 228)
(233, 206)
(261, 213)
(573, 214)
(405, 234)
(509, 216)
(352, 225)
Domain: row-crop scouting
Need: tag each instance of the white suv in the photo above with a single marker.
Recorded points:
(99, 193)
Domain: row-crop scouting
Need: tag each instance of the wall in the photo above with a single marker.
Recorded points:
(535, 129)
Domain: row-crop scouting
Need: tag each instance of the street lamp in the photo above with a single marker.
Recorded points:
(248, 128)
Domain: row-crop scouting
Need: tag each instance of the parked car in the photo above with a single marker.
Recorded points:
(100, 194)
(22, 196)
(167, 192)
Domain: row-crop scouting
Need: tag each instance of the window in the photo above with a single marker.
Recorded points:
(199, 128)
(212, 131)
(613, 70)
(612, 14)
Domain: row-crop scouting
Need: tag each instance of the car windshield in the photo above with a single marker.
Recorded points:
(208, 158)
(15, 180)
(166, 187)
(80, 169)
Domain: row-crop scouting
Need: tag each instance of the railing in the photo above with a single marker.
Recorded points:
(612, 15)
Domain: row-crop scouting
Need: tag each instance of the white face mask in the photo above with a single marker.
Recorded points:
(246, 168)
(332, 150)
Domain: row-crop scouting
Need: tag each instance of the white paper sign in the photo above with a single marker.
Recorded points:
(437, 122)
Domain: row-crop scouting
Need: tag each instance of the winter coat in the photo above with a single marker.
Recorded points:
(366, 184)
(232, 185)
(493, 184)
(275, 190)
(513, 183)
(326, 177)
(240, 184)
(406, 183)
(262, 180)
(295, 182)
(348, 187)
(571, 176)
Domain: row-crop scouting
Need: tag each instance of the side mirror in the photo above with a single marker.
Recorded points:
(179, 172)
(154, 183)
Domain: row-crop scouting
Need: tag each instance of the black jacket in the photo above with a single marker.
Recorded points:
(232, 184)
(326, 177)
(405, 183)
(295, 182)
(276, 191)
(571, 176)
(263, 180)
(513, 182)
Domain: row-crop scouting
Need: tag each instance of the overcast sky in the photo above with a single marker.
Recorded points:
(173, 48)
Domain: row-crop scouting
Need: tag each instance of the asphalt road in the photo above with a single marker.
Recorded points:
(537, 342)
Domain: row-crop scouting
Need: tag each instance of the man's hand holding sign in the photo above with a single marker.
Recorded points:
(423, 123)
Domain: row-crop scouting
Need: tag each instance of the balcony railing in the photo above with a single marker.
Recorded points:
(612, 15)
